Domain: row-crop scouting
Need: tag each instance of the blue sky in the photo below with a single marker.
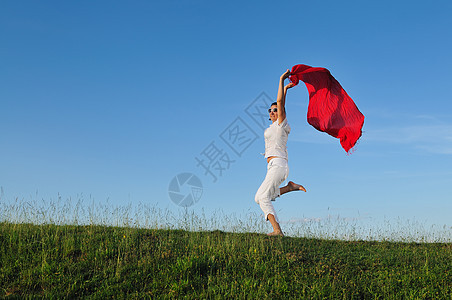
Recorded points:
(111, 100)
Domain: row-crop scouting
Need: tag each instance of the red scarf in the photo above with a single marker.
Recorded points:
(330, 109)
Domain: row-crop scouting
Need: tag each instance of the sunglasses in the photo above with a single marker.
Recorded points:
(272, 110)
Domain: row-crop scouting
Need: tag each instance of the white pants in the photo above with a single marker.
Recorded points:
(277, 172)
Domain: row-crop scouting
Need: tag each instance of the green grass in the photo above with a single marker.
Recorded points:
(100, 261)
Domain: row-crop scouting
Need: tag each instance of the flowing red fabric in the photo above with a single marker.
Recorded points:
(330, 109)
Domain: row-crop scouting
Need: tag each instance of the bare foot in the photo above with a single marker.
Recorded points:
(276, 233)
(296, 187)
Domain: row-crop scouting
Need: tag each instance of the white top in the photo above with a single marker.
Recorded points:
(276, 139)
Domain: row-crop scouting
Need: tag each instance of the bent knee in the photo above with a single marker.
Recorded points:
(260, 196)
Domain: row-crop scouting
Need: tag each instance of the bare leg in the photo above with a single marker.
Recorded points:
(290, 187)
(276, 228)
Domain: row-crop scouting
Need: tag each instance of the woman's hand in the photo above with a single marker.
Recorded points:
(285, 75)
(290, 85)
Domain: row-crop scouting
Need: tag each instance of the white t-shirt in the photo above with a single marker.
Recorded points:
(276, 139)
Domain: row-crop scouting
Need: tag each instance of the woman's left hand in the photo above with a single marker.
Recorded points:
(290, 85)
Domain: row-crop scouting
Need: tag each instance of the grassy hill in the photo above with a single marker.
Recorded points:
(58, 261)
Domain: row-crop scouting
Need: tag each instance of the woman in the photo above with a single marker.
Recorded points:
(276, 154)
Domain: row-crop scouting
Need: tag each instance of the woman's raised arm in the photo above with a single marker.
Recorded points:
(281, 99)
